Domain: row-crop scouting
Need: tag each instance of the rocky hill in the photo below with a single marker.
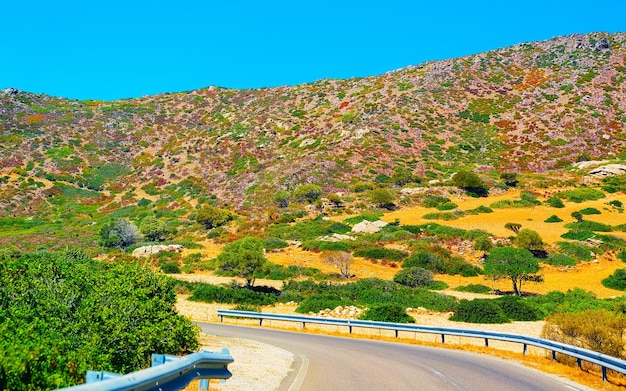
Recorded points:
(531, 107)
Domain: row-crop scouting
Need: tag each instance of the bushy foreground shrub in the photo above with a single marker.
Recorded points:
(581, 194)
(233, 295)
(380, 253)
(321, 302)
(63, 313)
(474, 288)
(414, 277)
(501, 310)
(598, 330)
(616, 281)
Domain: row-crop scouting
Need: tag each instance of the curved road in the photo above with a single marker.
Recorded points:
(334, 363)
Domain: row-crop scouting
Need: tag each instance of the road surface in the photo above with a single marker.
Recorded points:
(334, 363)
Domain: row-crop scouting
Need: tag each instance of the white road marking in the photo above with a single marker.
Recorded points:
(297, 383)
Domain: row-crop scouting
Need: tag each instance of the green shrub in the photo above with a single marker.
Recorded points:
(414, 277)
(474, 288)
(433, 201)
(369, 216)
(273, 243)
(622, 256)
(518, 309)
(169, 267)
(479, 311)
(576, 250)
(380, 253)
(479, 210)
(393, 313)
(578, 234)
(553, 219)
(590, 211)
(425, 260)
(247, 307)
(616, 281)
(560, 260)
(616, 203)
(447, 206)
(216, 294)
(555, 202)
(360, 187)
(321, 302)
(323, 245)
(595, 329)
(582, 194)
(589, 226)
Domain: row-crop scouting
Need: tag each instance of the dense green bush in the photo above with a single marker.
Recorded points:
(63, 313)
(321, 302)
(211, 217)
(478, 210)
(560, 260)
(322, 245)
(217, 294)
(578, 234)
(414, 277)
(555, 202)
(369, 216)
(622, 256)
(589, 226)
(433, 201)
(590, 211)
(578, 251)
(474, 288)
(479, 311)
(307, 230)
(518, 309)
(616, 281)
(425, 260)
(272, 243)
(380, 253)
(387, 313)
(582, 194)
(553, 219)
(447, 206)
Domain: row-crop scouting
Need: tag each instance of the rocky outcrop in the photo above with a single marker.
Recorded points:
(370, 227)
(146, 251)
(608, 170)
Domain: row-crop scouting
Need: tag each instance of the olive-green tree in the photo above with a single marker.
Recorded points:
(382, 198)
(242, 258)
(211, 216)
(517, 264)
(308, 192)
(119, 233)
(153, 229)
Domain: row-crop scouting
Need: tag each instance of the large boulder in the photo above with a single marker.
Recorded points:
(146, 251)
(370, 227)
(608, 170)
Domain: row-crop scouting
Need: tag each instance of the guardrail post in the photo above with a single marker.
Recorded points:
(579, 361)
(303, 325)
(97, 376)
(203, 385)
(554, 355)
(525, 349)
(604, 378)
(221, 318)
(487, 342)
(396, 333)
(443, 338)
(260, 322)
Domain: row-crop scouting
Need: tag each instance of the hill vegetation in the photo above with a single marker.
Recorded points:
(383, 187)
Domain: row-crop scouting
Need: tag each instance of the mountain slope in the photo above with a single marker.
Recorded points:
(531, 107)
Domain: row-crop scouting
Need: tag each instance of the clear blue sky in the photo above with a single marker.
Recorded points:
(95, 49)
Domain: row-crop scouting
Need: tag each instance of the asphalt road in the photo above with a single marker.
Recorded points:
(333, 363)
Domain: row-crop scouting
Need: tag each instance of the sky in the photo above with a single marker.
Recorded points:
(106, 50)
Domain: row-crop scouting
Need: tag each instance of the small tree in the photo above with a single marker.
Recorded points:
(281, 198)
(414, 277)
(153, 229)
(529, 239)
(517, 264)
(509, 178)
(341, 260)
(578, 216)
(469, 182)
(308, 192)
(401, 176)
(242, 258)
(483, 243)
(212, 217)
(513, 227)
(119, 233)
(382, 198)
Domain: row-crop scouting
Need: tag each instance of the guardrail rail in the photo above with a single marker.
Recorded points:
(167, 373)
(581, 354)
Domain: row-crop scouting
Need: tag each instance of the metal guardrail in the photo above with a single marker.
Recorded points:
(167, 373)
(581, 354)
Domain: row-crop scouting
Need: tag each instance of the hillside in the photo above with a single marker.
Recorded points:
(528, 108)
